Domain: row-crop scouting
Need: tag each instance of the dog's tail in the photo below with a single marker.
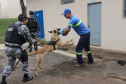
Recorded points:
(33, 53)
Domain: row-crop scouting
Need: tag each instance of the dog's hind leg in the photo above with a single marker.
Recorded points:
(40, 59)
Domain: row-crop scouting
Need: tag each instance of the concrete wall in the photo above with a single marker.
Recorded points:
(11, 8)
(113, 25)
(113, 28)
(14, 8)
(4, 8)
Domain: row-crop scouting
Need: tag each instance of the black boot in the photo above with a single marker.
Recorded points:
(90, 58)
(36, 49)
(27, 78)
(3, 81)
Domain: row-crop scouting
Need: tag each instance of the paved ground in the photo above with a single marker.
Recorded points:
(58, 68)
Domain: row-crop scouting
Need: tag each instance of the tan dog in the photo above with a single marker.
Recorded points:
(48, 48)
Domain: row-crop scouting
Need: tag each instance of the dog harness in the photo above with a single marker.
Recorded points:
(53, 43)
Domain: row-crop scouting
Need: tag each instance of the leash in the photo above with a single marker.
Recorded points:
(15, 65)
(19, 59)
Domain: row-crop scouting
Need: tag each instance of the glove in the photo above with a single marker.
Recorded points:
(61, 31)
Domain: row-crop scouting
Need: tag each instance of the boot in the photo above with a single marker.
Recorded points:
(36, 49)
(3, 81)
(90, 58)
(27, 78)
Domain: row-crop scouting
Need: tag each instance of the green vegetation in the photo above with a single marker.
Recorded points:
(4, 23)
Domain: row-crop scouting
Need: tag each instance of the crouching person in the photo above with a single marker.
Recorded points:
(16, 36)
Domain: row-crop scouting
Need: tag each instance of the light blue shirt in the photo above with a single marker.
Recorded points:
(77, 25)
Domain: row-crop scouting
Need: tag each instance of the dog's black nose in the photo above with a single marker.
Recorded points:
(58, 29)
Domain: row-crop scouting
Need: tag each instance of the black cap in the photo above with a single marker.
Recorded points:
(22, 16)
(31, 12)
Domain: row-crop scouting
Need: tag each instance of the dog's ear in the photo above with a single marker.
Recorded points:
(50, 31)
(54, 31)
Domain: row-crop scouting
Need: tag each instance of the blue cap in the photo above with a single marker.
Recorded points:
(66, 11)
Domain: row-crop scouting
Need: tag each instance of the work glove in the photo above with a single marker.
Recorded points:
(61, 31)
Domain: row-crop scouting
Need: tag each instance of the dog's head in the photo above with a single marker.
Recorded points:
(55, 31)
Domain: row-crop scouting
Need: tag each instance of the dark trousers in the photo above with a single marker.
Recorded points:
(84, 42)
(34, 36)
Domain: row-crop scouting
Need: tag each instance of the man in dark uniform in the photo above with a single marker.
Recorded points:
(33, 26)
(83, 32)
(16, 36)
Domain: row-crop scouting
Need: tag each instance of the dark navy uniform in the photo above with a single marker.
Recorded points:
(84, 41)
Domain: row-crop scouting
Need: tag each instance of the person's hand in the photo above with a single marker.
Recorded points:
(35, 40)
(39, 33)
(61, 31)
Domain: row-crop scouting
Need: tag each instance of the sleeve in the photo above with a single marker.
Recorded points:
(71, 23)
(24, 31)
(28, 22)
(38, 27)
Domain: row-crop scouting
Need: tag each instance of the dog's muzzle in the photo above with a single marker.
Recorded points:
(58, 30)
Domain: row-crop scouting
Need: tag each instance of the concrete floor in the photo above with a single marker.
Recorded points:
(58, 68)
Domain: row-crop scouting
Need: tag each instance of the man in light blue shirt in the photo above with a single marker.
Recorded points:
(83, 32)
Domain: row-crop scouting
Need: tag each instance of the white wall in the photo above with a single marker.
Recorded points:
(11, 8)
(4, 8)
(113, 25)
(113, 28)
(14, 8)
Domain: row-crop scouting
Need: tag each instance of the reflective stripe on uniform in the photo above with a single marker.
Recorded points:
(88, 52)
(78, 53)
(70, 25)
(77, 24)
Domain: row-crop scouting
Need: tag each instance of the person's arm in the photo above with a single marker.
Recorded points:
(24, 31)
(65, 31)
(38, 27)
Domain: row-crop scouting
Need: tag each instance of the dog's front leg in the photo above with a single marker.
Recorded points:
(66, 43)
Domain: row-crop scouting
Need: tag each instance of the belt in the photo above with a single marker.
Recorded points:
(84, 34)
(12, 46)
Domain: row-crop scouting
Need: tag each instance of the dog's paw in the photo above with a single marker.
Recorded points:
(40, 67)
(36, 74)
(71, 40)
(72, 43)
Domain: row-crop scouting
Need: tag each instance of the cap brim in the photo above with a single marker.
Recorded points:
(63, 14)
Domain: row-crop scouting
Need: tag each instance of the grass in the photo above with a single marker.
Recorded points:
(4, 23)
(2, 39)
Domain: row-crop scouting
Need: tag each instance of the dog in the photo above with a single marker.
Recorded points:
(52, 45)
